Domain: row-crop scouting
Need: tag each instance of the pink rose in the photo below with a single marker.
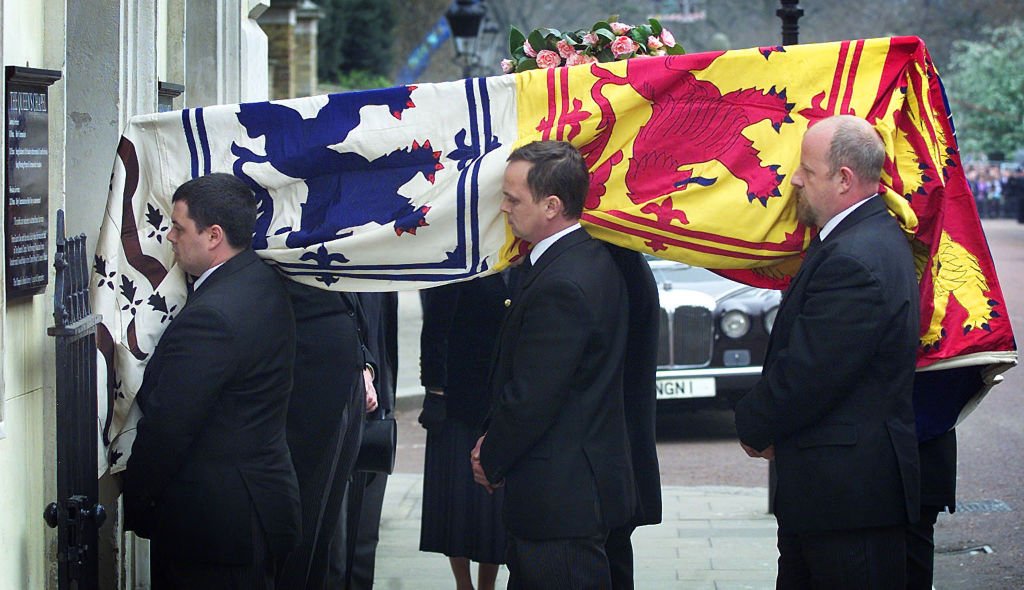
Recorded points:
(548, 59)
(590, 39)
(576, 59)
(589, 59)
(620, 28)
(565, 49)
(654, 44)
(667, 38)
(528, 49)
(508, 66)
(622, 46)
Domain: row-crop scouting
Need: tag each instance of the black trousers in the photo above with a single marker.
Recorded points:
(858, 559)
(170, 570)
(921, 549)
(560, 564)
(368, 516)
(619, 550)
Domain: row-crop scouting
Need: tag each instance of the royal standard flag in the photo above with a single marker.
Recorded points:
(690, 158)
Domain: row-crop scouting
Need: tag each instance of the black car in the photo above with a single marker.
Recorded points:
(713, 336)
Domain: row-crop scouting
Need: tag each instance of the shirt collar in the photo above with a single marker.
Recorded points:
(205, 275)
(838, 217)
(540, 247)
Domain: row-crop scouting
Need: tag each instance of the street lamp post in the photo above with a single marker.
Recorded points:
(464, 18)
(790, 13)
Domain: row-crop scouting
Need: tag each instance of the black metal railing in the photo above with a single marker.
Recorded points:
(76, 515)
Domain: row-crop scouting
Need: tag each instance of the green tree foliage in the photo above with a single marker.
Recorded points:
(354, 36)
(986, 88)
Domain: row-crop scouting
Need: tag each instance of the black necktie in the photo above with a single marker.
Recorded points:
(517, 277)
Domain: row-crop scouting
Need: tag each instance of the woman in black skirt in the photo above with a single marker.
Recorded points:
(460, 519)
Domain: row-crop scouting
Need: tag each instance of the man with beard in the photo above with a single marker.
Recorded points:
(833, 406)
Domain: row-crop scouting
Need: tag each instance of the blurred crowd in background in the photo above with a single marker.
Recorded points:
(998, 189)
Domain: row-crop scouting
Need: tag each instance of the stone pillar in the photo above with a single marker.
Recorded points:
(279, 24)
(174, 47)
(307, 17)
(255, 81)
(94, 117)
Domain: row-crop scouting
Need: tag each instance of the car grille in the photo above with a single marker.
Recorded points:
(664, 350)
(687, 337)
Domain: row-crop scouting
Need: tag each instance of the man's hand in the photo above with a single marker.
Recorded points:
(478, 470)
(768, 453)
(371, 391)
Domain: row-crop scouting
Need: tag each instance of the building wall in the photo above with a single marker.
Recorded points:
(24, 423)
(111, 55)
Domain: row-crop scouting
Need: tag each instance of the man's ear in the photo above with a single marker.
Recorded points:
(553, 206)
(846, 178)
(217, 236)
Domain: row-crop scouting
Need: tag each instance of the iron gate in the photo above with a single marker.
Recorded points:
(76, 514)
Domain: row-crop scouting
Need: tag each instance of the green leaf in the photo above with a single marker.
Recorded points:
(601, 26)
(549, 33)
(655, 26)
(516, 38)
(526, 64)
(537, 40)
(605, 55)
(605, 34)
(676, 49)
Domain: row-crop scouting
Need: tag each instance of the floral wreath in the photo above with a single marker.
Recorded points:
(606, 41)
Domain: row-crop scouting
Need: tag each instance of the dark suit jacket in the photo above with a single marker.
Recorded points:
(325, 419)
(210, 446)
(460, 327)
(639, 385)
(835, 392)
(557, 435)
(381, 311)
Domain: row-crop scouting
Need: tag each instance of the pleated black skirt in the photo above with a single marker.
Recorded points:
(460, 519)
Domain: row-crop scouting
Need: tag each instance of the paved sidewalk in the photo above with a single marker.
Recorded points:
(712, 538)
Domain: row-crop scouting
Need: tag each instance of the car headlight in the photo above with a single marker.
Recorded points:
(769, 318)
(735, 324)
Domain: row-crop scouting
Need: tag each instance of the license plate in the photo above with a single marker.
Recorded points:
(686, 388)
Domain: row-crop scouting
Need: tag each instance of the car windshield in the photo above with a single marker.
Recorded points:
(676, 275)
(673, 272)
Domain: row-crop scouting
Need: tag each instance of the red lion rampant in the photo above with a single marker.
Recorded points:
(691, 122)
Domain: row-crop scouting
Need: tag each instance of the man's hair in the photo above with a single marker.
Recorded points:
(224, 200)
(558, 169)
(856, 145)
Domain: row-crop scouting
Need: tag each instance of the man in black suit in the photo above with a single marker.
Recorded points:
(332, 390)
(556, 436)
(640, 394)
(833, 406)
(210, 480)
(354, 547)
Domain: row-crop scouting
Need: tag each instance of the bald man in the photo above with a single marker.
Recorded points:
(833, 406)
